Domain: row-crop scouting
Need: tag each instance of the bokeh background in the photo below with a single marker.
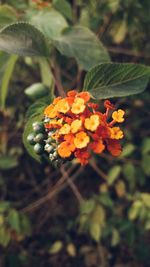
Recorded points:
(99, 215)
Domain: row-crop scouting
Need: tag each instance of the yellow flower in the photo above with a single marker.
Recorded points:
(78, 105)
(50, 111)
(65, 129)
(81, 140)
(56, 122)
(92, 123)
(116, 133)
(62, 106)
(118, 115)
(76, 125)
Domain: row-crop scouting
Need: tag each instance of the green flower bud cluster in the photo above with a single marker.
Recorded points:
(37, 137)
(43, 143)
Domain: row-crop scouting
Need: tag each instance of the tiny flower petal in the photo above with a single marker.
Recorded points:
(50, 111)
(92, 123)
(85, 96)
(118, 115)
(81, 140)
(78, 106)
(62, 106)
(76, 126)
(65, 129)
(116, 133)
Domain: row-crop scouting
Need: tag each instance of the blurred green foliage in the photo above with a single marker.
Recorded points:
(41, 222)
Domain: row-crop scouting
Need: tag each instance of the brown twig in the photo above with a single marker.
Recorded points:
(59, 186)
(72, 185)
(98, 170)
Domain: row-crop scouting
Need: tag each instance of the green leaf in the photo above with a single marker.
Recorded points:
(115, 237)
(146, 199)
(14, 220)
(36, 91)
(128, 149)
(119, 31)
(116, 80)
(83, 45)
(95, 231)
(146, 145)
(6, 79)
(7, 162)
(23, 39)
(27, 130)
(49, 21)
(56, 247)
(7, 15)
(25, 224)
(4, 236)
(98, 215)
(129, 172)
(135, 210)
(4, 206)
(64, 8)
(146, 164)
(47, 76)
(87, 206)
(113, 174)
(37, 108)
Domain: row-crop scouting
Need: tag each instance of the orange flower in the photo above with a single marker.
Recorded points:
(78, 106)
(62, 106)
(82, 156)
(66, 148)
(97, 146)
(56, 100)
(116, 133)
(50, 111)
(81, 140)
(118, 115)
(65, 129)
(72, 93)
(85, 96)
(114, 147)
(76, 126)
(92, 123)
(63, 150)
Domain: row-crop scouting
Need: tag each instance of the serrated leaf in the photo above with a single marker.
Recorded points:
(23, 39)
(115, 80)
(49, 21)
(27, 130)
(83, 45)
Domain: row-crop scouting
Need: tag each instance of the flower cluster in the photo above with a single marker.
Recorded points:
(77, 127)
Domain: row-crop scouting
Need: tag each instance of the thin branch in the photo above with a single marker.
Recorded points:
(72, 185)
(98, 170)
(119, 50)
(59, 186)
